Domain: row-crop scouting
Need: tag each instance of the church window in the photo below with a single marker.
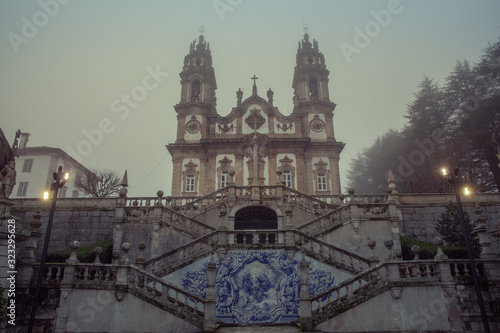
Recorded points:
(27, 165)
(321, 177)
(190, 183)
(195, 91)
(313, 88)
(321, 182)
(309, 60)
(223, 179)
(22, 189)
(288, 169)
(190, 178)
(198, 61)
(287, 176)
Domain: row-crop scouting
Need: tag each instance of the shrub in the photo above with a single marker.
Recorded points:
(428, 250)
(85, 253)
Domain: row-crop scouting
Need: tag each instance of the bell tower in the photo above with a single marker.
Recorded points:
(310, 79)
(198, 76)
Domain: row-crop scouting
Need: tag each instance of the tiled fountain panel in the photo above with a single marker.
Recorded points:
(256, 287)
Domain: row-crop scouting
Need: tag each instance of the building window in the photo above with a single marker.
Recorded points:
(75, 194)
(22, 189)
(27, 165)
(78, 178)
(62, 193)
(287, 176)
(223, 179)
(321, 182)
(190, 183)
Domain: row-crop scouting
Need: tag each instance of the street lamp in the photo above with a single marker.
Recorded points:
(60, 179)
(455, 180)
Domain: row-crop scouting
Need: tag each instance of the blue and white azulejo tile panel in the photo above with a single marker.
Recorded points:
(254, 287)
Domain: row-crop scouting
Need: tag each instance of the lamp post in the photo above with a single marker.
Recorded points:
(60, 179)
(455, 180)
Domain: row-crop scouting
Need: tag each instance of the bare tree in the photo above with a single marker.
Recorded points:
(99, 183)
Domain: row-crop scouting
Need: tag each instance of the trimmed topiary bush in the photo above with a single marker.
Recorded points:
(85, 253)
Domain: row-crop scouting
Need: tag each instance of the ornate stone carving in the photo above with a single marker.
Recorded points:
(255, 119)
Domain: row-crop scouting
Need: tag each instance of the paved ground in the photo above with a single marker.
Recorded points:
(261, 329)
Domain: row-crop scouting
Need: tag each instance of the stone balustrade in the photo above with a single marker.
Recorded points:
(461, 269)
(182, 256)
(262, 239)
(418, 269)
(330, 254)
(95, 274)
(158, 292)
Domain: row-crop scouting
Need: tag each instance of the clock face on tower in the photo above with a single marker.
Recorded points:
(317, 125)
(193, 126)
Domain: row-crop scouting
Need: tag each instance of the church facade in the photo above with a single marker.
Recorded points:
(302, 145)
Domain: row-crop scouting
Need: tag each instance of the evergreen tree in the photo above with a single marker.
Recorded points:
(449, 227)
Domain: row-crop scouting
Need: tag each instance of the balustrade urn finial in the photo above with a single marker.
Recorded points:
(389, 243)
(97, 253)
(416, 251)
(125, 248)
(140, 257)
(439, 244)
(73, 260)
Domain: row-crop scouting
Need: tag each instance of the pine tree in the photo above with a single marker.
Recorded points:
(450, 228)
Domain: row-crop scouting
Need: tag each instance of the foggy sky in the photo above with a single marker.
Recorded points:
(66, 65)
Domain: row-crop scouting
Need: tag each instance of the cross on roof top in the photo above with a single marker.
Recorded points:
(306, 29)
(254, 78)
(202, 30)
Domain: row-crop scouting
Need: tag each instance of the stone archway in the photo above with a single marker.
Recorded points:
(255, 218)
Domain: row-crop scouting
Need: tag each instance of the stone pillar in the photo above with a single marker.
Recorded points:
(120, 218)
(210, 174)
(181, 128)
(484, 239)
(308, 174)
(302, 176)
(209, 315)
(271, 157)
(66, 288)
(141, 260)
(177, 176)
(305, 304)
(239, 179)
(289, 233)
(373, 258)
(334, 173)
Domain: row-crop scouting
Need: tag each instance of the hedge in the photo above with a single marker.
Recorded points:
(85, 253)
(428, 250)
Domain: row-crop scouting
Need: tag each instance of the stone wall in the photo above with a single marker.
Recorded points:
(87, 220)
(422, 211)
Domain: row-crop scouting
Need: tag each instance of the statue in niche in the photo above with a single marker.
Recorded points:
(8, 179)
(225, 128)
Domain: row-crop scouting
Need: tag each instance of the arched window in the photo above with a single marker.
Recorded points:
(255, 218)
(195, 91)
(313, 88)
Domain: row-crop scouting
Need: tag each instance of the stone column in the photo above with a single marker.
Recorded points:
(271, 158)
(305, 304)
(66, 290)
(239, 171)
(210, 173)
(177, 178)
(302, 176)
(308, 174)
(334, 173)
(480, 230)
(209, 316)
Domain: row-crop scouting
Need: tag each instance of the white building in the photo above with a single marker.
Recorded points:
(35, 167)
